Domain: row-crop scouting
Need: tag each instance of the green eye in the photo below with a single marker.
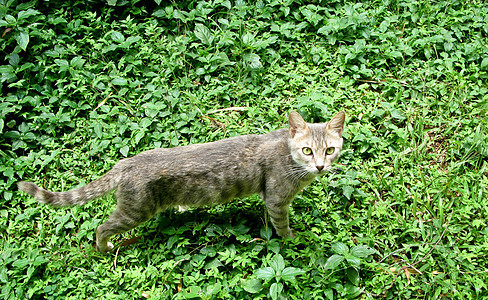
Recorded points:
(307, 151)
(329, 150)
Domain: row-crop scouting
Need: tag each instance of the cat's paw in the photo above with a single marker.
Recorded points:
(182, 208)
(107, 248)
(292, 234)
(110, 247)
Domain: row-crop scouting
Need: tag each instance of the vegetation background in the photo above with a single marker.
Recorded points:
(86, 83)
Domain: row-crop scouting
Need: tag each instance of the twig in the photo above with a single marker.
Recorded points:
(398, 250)
(382, 81)
(237, 108)
(103, 101)
(116, 255)
(174, 266)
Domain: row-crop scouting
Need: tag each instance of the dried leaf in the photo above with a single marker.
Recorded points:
(131, 241)
(238, 108)
(214, 122)
(146, 295)
(180, 285)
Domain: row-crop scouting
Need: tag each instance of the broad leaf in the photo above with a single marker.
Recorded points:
(266, 273)
(124, 150)
(277, 263)
(118, 37)
(252, 286)
(333, 262)
(353, 275)
(289, 273)
(353, 260)
(203, 34)
(253, 61)
(362, 251)
(24, 14)
(23, 39)
(340, 248)
(275, 290)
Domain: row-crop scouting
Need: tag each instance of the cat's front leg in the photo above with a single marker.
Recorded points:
(278, 212)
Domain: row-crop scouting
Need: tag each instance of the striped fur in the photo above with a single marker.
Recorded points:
(80, 196)
(274, 165)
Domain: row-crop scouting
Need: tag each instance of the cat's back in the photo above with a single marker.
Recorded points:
(201, 174)
(238, 151)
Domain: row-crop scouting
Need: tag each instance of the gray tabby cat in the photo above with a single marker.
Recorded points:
(275, 165)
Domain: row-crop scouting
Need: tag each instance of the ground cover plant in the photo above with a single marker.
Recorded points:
(87, 83)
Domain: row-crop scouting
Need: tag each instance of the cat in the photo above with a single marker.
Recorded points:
(276, 165)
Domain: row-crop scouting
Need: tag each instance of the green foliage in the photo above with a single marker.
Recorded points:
(86, 83)
(277, 271)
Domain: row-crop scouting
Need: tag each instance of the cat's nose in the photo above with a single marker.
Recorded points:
(320, 168)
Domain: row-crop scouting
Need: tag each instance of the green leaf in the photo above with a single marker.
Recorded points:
(274, 246)
(239, 229)
(289, 273)
(77, 62)
(347, 190)
(277, 263)
(214, 263)
(14, 59)
(39, 260)
(7, 73)
(353, 260)
(352, 290)
(62, 63)
(252, 60)
(252, 286)
(3, 275)
(209, 251)
(10, 20)
(117, 37)
(353, 275)
(119, 81)
(23, 39)
(203, 34)
(484, 63)
(213, 289)
(275, 290)
(362, 251)
(340, 248)
(329, 293)
(266, 273)
(24, 14)
(397, 114)
(21, 263)
(333, 262)
(124, 150)
(248, 39)
(98, 130)
(266, 233)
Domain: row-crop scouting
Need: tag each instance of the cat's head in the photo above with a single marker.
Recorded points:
(315, 146)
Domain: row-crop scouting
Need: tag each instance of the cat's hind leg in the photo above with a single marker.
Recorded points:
(123, 219)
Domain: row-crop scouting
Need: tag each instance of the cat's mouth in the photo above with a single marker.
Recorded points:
(320, 170)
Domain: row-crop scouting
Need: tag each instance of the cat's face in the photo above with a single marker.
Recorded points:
(315, 146)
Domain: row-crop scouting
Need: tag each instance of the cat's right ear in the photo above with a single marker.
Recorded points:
(297, 124)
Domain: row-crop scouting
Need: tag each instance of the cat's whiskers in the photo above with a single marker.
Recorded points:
(296, 173)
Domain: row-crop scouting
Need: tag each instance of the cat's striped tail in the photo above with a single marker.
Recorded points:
(79, 196)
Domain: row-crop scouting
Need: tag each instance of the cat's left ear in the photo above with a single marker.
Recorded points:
(336, 124)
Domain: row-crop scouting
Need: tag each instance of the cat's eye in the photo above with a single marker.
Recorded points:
(307, 151)
(329, 150)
